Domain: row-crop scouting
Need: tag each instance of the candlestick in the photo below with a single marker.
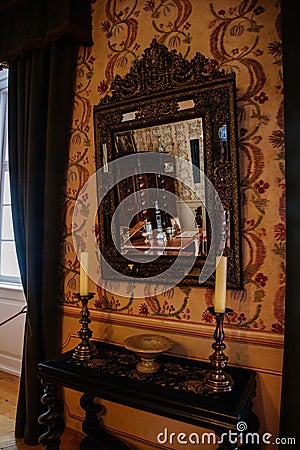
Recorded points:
(217, 380)
(220, 287)
(85, 349)
(84, 268)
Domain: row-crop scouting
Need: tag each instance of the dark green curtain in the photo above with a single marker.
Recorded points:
(41, 50)
(290, 398)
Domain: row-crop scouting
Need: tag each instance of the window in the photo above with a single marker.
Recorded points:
(9, 269)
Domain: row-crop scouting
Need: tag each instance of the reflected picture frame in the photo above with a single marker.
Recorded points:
(125, 143)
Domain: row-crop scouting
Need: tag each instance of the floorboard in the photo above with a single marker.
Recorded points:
(9, 388)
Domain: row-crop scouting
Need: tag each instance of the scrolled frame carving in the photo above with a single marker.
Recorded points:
(153, 90)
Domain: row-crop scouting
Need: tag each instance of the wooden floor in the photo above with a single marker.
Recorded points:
(9, 386)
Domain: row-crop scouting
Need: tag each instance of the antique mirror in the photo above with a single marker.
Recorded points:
(172, 111)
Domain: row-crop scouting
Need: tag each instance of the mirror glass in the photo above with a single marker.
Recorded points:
(182, 114)
(166, 228)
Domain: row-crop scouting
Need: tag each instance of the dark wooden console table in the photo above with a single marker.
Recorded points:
(176, 392)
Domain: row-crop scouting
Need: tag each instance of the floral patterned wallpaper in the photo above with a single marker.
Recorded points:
(243, 36)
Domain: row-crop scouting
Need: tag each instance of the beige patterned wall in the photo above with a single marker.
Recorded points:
(243, 36)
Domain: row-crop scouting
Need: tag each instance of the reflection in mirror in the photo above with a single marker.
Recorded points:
(221, 145)
(178, 229)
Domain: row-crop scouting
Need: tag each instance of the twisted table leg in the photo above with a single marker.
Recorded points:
(52, 418)
(97, 437)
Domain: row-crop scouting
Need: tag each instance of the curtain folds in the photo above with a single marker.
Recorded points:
(30, 24)
(40, 106)
(290, 394)
(40, 99)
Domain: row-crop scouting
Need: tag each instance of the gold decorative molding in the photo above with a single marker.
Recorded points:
(233, 334)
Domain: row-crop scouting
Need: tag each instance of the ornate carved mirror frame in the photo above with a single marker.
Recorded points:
(164, 88)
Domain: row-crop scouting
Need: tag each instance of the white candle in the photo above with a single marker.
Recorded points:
(84, 268)
(220, 287)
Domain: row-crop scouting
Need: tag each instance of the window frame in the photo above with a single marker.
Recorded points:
(4, 167)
